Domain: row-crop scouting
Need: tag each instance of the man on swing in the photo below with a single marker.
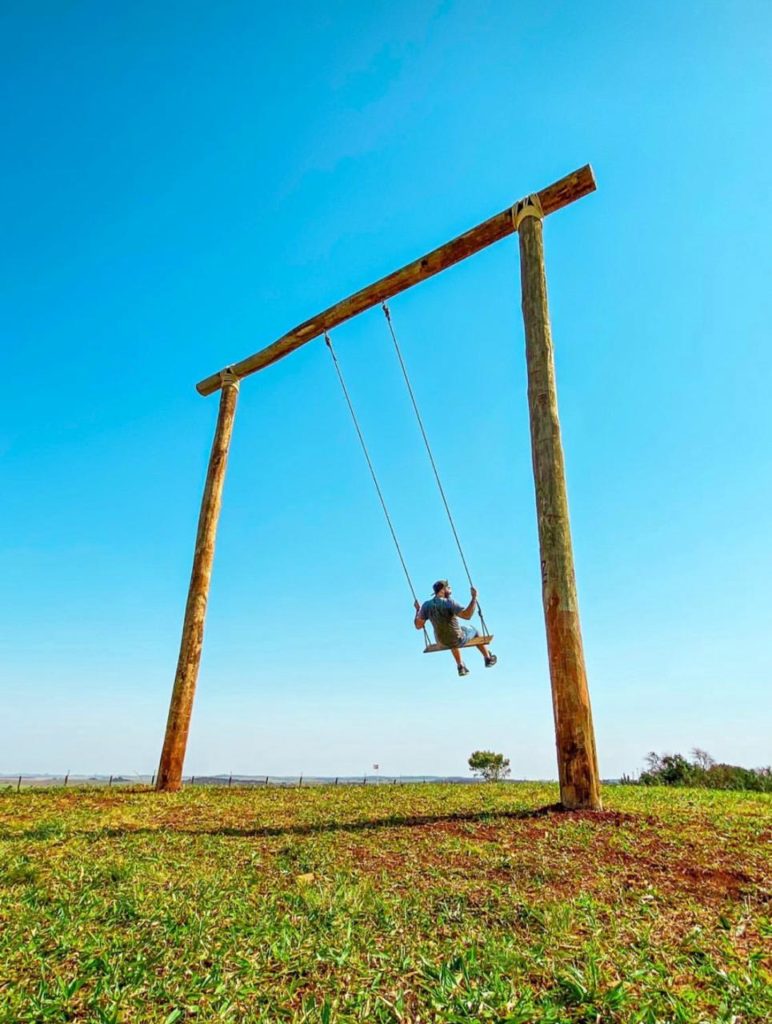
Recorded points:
(443, 613)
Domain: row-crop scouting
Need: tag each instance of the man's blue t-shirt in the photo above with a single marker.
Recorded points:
(442, 612)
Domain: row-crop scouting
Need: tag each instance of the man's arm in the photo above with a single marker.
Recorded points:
(468, 612)
(418, 622)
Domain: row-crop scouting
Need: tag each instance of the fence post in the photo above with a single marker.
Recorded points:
(300, 781)
(18, 785)
(152, 781)
(230, 780)
(66, 777)
(109, 784)
(336, 780)
(266, 780)
(364, 781)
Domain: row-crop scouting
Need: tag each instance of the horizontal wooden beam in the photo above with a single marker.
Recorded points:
(554, 197)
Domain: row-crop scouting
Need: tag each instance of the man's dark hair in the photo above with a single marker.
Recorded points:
(439, 585)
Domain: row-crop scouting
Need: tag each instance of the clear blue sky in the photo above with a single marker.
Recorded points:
(183, 182)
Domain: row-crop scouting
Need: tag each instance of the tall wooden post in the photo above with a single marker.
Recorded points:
(181, 707)
(574, 734)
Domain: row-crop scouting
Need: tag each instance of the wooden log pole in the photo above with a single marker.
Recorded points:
(574, 734)
(554, 197)
(181, 706)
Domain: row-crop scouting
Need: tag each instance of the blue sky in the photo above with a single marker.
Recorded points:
(182, 183)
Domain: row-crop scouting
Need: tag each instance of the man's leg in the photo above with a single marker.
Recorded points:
(460, 666)
(471, 633)
(490, 659)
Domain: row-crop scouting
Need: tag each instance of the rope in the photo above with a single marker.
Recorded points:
(372, 473)
(387, 314)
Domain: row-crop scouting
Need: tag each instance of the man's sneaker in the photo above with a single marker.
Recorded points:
(463, 670)
(490, 662)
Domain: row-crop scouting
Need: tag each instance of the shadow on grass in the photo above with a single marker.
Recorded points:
(318, 828)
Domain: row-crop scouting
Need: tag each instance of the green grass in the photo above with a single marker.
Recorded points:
(426, 903)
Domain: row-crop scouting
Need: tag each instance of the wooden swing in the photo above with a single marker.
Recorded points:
(431, 648)
(476, 641)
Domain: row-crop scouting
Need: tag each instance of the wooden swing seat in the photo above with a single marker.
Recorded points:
(476, 641)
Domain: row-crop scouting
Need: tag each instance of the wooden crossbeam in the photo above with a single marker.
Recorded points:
(553, 197)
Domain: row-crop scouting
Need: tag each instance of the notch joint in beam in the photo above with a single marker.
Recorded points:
(528, 207)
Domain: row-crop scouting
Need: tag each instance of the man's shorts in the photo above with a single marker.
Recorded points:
(469, 634)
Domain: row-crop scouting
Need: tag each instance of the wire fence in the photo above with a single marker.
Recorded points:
(230, 781)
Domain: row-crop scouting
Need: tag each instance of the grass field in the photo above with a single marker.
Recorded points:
(418, 903)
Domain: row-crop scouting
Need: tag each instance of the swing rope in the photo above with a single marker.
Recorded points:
(387, 314)
(379, 492)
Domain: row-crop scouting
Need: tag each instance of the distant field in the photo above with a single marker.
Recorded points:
(431, 903)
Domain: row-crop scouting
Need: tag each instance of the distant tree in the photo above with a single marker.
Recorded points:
(654, 761)
(666, 770)
(676, 770)
(702, 758)
(489, 766)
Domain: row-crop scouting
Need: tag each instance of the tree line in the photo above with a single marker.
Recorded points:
(702, 770)
(662, 770)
